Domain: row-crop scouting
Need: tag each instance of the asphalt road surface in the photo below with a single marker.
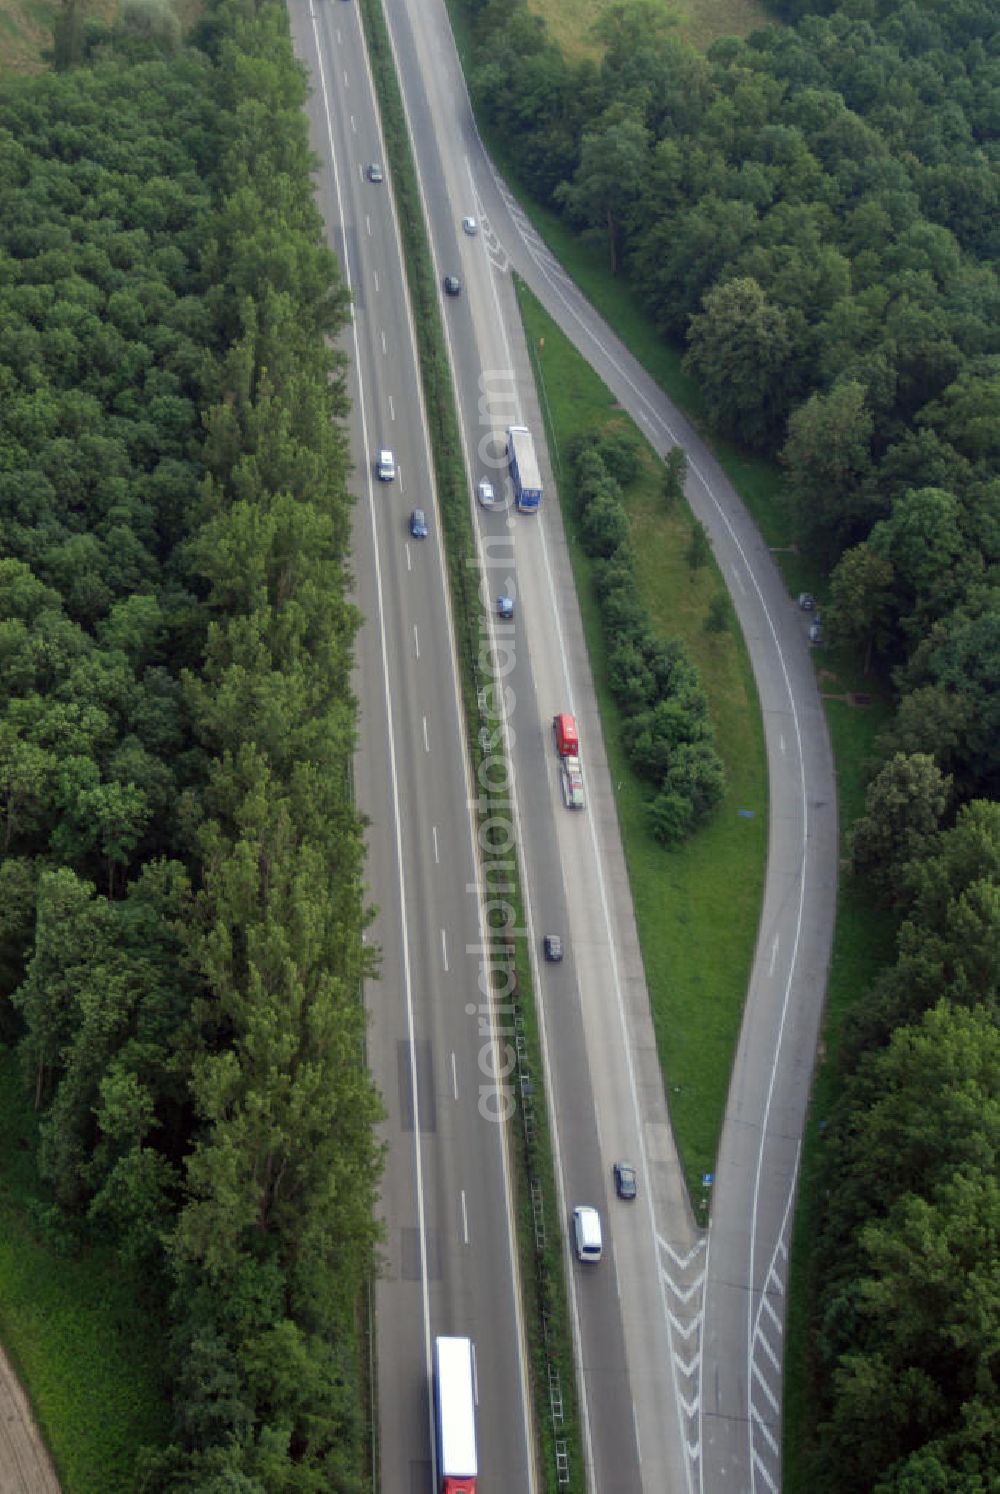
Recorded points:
(449, 1264)
(25, 1466)
(678, 1334)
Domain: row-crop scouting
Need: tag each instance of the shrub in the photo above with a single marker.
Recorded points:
(669, 818)
(717, 617)
(699, 550)
(696, 773)
(614, 573)
(631, 677)
(621, 455)
(624, 615)
(605, 526)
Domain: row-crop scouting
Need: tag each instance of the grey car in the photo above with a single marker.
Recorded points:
(625, 1181)
(552, 948)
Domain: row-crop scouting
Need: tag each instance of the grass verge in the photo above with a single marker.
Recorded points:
(74, 1326)
(697, 22)
(697, 907)
(538, 1224)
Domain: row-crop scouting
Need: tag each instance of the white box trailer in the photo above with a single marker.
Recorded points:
(523, 465)
(455, 1416)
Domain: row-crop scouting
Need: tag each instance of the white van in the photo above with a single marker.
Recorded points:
(587, 1233)
(386, 466)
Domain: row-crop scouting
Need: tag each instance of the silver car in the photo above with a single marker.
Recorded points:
(572, 783)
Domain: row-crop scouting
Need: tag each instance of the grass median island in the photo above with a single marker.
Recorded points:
(697, 907)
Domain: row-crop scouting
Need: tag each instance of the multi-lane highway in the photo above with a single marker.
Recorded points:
(678, 1335)
(449, 1265)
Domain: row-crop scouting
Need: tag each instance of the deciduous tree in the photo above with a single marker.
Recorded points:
(740, 351)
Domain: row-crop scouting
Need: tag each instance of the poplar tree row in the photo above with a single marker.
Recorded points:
(181, 894)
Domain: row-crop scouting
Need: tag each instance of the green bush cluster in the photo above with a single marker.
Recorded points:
(668, 733)
(182, 908)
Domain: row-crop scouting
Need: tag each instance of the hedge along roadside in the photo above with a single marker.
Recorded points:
(538, 1223)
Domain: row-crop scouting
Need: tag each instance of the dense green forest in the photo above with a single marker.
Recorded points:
(181, 895)
(814, 215)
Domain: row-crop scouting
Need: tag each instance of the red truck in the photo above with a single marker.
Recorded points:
(570, 771)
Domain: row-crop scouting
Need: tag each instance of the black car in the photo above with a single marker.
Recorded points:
(552, 945)
(452, 285)
(375, 173)
(625, 1181)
